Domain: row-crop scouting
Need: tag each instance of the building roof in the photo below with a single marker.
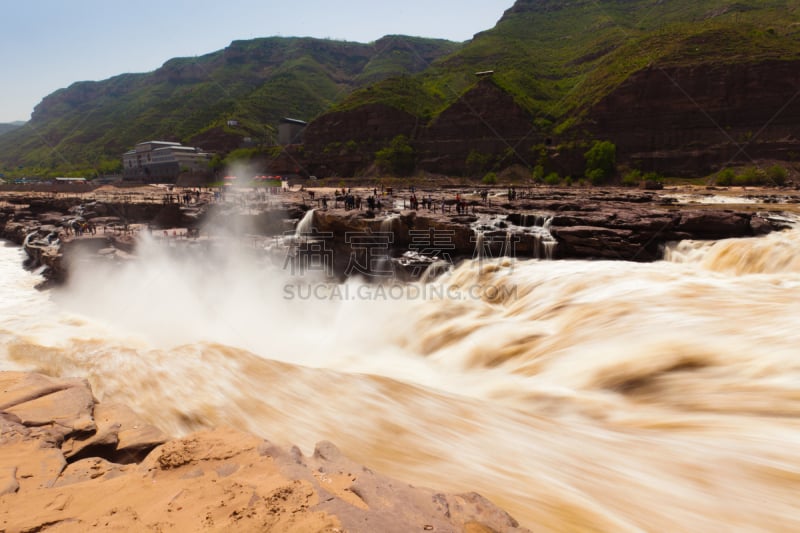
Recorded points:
(287, 120)
(188, 148)
(162, 147)
(163, 143)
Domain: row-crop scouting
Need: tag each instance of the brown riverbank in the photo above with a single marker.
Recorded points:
(71, 463)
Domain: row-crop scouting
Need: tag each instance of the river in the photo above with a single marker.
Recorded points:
(604, 396)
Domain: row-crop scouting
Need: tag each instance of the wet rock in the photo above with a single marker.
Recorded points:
(593, 242)
(650, 185)
(715, 224)
(629, 224)
(760, 226)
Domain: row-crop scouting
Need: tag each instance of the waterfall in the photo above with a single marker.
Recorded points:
(538, 226)
(387, 224)
(305, 225)
(479, 245)
(547, 243)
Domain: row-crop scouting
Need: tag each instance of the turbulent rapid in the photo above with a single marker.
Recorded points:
(578, 395)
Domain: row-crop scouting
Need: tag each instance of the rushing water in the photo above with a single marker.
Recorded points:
(604, 396)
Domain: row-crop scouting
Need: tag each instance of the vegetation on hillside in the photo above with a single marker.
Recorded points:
(558, 58)
(601, 160)
(775, 175)
(10, 126)
(256, 82)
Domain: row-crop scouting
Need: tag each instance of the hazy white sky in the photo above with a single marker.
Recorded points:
(49, 44)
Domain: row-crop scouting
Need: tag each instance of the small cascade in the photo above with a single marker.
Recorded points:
(497, 237)
(538, 226)
(388, 223)
(528, 220)
(547, 243)
(549, 249)
(305, 226)
(508, 246)
(385, 267)
(480, 247)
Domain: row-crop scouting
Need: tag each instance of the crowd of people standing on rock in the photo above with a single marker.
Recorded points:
(79, 228)
(189, 197)
(185, 198)
(352, 201)
(378, 197)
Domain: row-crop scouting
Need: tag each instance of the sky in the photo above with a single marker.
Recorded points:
(46, 45)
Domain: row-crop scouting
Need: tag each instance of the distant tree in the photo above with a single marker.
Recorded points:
(751, 176)
(776, 175)
(477, 162)
(601, 160)
(538, 173)
(725, 177)
(109, 166)
(216, 162)
(552, 179)
(490, 178)
(397, 157)
(632, 178)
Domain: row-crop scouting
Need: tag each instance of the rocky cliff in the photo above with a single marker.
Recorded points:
(682, 121)
(680, 87)
(692, 120)
(485, 121)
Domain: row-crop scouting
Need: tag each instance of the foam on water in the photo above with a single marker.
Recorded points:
(579, 395)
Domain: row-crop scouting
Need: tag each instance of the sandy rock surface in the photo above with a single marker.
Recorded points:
(69, 463)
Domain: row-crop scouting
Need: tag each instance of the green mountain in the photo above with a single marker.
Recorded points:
(680, 86)
(559, 57)
(255, 82)
(568, 71)
(10, 126)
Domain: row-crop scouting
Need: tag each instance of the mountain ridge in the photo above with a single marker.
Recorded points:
(561, 62)
(90, 123)
(563, 72)
(5, 127)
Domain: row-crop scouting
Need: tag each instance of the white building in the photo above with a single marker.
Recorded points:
(162, 161)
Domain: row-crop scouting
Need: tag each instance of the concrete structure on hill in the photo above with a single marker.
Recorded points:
(162, 161)
(290, 131)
